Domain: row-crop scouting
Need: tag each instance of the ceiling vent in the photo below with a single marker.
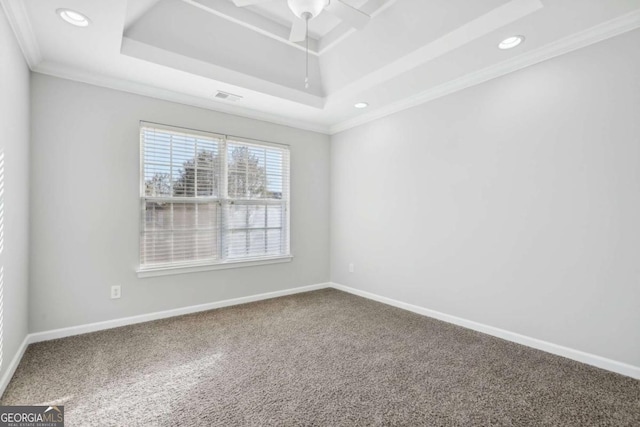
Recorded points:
(227, 96)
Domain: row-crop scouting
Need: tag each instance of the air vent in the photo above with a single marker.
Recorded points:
(227, 96)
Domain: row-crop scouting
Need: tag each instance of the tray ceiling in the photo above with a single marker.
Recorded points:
(410, 51)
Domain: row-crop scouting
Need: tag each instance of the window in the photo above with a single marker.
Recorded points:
(210, 199)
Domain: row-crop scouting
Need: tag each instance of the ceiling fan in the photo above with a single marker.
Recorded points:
(306, 10)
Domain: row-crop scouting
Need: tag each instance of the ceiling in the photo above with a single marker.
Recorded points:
(278, 11)
(410, 52)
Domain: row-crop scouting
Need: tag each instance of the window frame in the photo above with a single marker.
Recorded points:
(222, 200)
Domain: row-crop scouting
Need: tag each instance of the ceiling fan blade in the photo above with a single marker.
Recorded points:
(298, 31)
(243, 3)
(348, 14)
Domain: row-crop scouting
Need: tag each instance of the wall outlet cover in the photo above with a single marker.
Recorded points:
(115, 292)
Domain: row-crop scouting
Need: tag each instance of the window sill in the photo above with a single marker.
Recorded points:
(167, 271)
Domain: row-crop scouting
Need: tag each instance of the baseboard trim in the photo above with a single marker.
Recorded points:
(13, 365)
(569, 353)
(577, 355)
(124, 321)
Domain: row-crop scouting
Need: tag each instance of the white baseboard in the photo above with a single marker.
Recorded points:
(569, 353)
(115, 323)
(580, 356)
(13, 365)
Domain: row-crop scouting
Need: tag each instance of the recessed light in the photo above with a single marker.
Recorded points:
(511, 42)
(73, 17)
(361, 105)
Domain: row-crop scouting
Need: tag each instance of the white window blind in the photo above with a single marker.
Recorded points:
(211, 199)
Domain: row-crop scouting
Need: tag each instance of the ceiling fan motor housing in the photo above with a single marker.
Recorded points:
(304, 9)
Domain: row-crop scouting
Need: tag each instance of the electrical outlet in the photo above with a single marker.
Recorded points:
(115, 292)
(351, 269)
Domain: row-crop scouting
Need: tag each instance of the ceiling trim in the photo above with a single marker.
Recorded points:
(16, 12)
(470, 31)
(159, 56)
(600, 32)
(17, 16)
(169, 95)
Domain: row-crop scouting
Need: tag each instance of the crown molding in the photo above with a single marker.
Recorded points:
(18, 18)
(600, 32)
(470, 31)
(168, 95)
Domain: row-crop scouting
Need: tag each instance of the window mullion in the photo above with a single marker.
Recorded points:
(195, 194)
(266, 208)
(224, 198)
(172, 233)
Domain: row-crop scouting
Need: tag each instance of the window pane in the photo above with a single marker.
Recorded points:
(274, 216)
(255, 229)
(274, 242)
(255, 172)
(257, 242)
(254, 243)
(257, 216)
(237, 216)
(184, 216)
(237, 244)
(184, 246)
(180, 165)
(157, 181)
(207, 215)
(247, 216)
(180, 232)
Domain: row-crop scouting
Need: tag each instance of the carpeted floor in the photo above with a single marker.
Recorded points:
(323, 358)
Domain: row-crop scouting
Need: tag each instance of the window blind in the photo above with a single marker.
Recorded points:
(209, 199)
(258, 188)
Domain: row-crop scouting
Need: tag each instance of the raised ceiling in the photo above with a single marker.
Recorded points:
(278, 11)
(411, 51)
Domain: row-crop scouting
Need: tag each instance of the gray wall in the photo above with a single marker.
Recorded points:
(85, 198)
(515, 203)
(14, 142)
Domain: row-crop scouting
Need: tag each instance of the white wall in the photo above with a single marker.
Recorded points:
(515, 203)
(85, 199)
(14, 142)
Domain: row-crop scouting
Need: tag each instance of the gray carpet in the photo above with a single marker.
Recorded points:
(323, 358)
